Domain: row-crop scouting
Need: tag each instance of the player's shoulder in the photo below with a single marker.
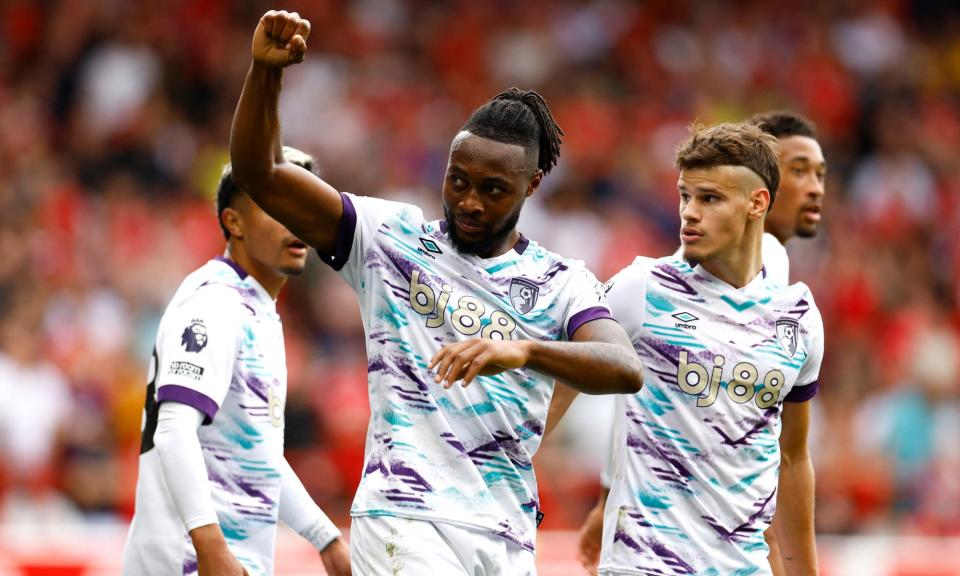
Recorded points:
(216, 287)
(383, 209)
(797, 299)
(533, 256)
(645, 266)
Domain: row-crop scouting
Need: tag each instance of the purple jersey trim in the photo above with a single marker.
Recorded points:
(236, 267)
(803, 393)
(190, 397)
(584, 316)
(344, 243)
(521, 244)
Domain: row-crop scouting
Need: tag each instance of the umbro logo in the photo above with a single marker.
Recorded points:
(685, 320)
(429, 248)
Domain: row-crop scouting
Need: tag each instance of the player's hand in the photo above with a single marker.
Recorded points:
(280, 39)
(480, 357)
(591, 536)
(336, 558)
(213, 556)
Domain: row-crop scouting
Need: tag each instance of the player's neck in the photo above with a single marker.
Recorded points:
(271, 281)
(739, 265)
(779, 233)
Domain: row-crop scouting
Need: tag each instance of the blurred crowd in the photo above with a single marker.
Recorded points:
(114, 123)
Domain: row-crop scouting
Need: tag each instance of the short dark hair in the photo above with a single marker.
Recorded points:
(732, 144)
(227, 189)
(521, 117)
(784, 123)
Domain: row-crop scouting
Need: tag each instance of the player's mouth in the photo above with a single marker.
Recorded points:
(812, 212)
(688, 235)
(467, 228)
(297, 248)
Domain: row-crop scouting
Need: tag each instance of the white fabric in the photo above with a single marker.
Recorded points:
(181, 460)
(388, 545)
(461, 455)
(695, 470)
(301, 513)
(775, 260)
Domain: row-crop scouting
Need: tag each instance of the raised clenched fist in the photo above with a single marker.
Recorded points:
(280, 39)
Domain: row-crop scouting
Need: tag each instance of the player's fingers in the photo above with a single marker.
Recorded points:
(278, 23)
(442, 362)
(303, 28)
(444, 352)
(289, 28)
(464, 361)
(476, 365)
(267, 22)
(438, 357)
(298, 49)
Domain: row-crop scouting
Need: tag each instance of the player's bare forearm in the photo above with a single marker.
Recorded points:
(563, 397)
(305, 204)
(794, 526)
(793, 523)
(336, 558)
(213, 556)
(774, 556)
(591, 534)
(600, 361)
(589, 367)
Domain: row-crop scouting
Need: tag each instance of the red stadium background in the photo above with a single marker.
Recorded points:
(114, 120)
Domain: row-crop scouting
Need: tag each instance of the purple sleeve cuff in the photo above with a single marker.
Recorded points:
(190, 397)
(803, 393)
(348, 227)
(584, 316)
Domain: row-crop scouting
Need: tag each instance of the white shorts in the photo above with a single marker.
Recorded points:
(389, 546)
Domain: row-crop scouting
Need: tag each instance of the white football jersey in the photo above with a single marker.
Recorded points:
(696, 452)
(219, 349)
(462, 455)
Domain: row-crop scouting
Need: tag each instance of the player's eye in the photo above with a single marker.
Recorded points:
(457, 181)
(799, 172)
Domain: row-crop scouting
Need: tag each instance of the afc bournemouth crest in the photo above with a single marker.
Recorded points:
(523, 294)
(194, 337)
(788, 335)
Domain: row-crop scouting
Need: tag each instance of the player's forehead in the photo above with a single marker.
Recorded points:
(472, 153)
(722, 179)
(800, 149)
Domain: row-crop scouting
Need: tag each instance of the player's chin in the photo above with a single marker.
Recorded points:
(292, 265)
(807, 230)
(694, 253)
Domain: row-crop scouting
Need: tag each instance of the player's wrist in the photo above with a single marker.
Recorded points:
(208, 539)
(322, 533)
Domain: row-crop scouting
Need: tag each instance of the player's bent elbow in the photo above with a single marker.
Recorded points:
(634, 382)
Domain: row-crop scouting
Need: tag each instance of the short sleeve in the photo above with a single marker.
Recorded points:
(197, 349)
(811, 330)
(627, 294)
(587, 300)
(362, 217)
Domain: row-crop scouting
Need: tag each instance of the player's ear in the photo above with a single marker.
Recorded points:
(759, 202)
(232, 221)
(534, 183)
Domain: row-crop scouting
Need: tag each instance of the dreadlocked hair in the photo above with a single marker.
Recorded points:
(520, 117)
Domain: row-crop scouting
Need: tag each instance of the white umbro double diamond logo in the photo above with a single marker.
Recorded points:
(685, 319)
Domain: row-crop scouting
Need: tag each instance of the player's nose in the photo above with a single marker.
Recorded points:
(471, 203)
